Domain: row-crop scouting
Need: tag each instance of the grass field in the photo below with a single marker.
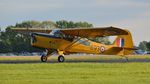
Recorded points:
(74, 73)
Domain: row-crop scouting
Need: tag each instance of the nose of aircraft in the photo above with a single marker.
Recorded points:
(33, 38)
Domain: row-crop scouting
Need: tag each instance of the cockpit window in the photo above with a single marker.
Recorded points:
(57, 33)
(84, 41)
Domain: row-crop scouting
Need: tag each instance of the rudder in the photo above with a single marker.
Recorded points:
(124, 42)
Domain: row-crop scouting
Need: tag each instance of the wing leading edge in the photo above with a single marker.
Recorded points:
(81, 32)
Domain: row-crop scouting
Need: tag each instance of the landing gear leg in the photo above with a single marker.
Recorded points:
(61, 57)
(44, 57)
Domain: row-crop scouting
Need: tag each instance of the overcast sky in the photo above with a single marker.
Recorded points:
(133, 15)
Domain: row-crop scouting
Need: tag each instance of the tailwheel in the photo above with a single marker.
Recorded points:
(61, 58)
(43, 58)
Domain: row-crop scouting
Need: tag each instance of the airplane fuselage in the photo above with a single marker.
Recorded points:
(76, 45)
(66, 41)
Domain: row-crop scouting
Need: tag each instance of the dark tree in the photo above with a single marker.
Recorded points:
(71, 24)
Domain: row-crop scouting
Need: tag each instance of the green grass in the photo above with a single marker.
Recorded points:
(75, 73)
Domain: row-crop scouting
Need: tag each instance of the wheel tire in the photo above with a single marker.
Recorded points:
(43, 58)
(61, 58)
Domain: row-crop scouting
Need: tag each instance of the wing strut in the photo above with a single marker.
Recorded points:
(71, 44)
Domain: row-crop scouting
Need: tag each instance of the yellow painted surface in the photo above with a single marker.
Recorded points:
(94, 48)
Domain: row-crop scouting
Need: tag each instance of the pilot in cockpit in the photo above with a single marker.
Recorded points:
(57, 33)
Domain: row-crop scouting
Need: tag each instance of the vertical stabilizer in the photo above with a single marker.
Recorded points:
(124, 42)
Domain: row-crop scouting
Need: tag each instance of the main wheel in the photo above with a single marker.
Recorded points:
(61, 58)
(43, 58)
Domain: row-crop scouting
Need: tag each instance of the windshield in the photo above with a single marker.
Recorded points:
(84, 41)
(57, 33)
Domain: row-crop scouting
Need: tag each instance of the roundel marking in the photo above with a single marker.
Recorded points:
(102, 49)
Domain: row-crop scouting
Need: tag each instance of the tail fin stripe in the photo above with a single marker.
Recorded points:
(120, 42)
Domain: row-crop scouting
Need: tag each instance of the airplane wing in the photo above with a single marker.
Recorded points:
(93, 32)
(81, 32)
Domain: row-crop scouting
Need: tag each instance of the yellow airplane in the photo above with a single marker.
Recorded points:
(67, 41)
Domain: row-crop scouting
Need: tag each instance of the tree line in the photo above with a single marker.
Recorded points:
(11, 41)
(144, 45)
